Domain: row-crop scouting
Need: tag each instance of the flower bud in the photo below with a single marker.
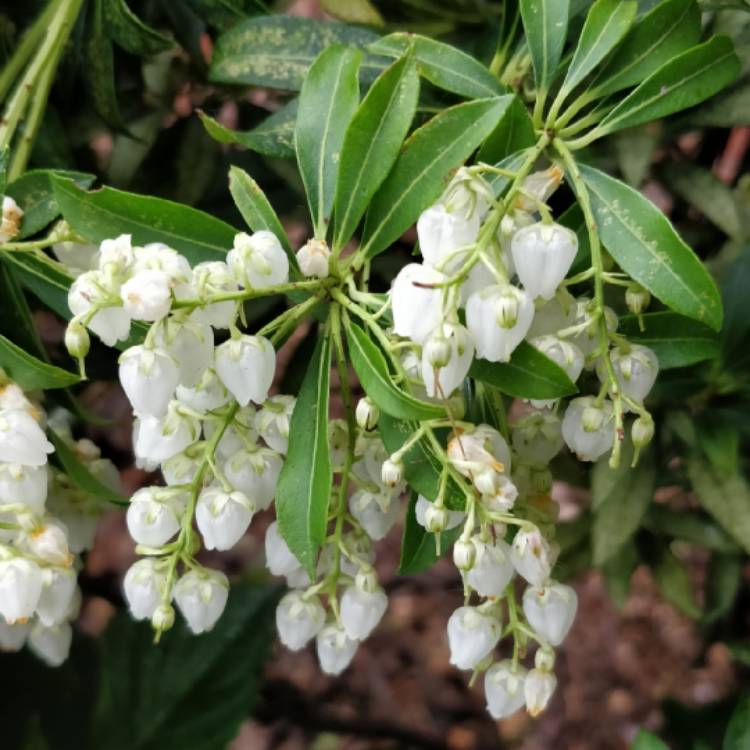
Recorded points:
(637, 298)
(423, 506)
(149, 378)
(361, 611)
(335, 649)
(367, 414)
(464, 554)
(642, 431)
(392, 473)
(89, 290)
(437, 351)
(541, 185)
(416, 302)
(474, 450)
(259, 260)
(530, 554)
(299, 619)
(163, 618)
(588, 428)
(201, 596)
(77, 340)
(51, 644)
(635, 367)
(471, 636)
(504, 689)
(446, 358)
(435, 519)
(538, 688)
(492, 569)
(563, 353)
(246, 366)
(144, 586)
(550, 610)
(314, 259)
(222, 517)
(20, 589)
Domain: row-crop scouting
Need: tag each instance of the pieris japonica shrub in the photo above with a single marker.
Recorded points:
(543, 300)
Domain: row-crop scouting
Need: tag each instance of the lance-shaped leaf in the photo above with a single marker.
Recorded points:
(442, 64)
(372, 371)
(529, 374)
(645, 245)
(304, 487)
(130, 33)
(30, 372)
(418, 550)
(372, 143)
(683, 82)
(100, 67)
(514, 132)
(664, 32)
(422, 170)
(102, 214)
(546, 26)
(606, 24)
(329, 97)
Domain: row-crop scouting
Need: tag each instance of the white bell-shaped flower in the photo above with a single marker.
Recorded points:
(13, 637)
(481, 448)
(156, 256)
(442, 376)
(492, 569)
(147, 295)
(377, 512)
(530, 554)
(468, 194)
(246, 366)
(503, 496)
(158, 439)
(442, 232)
(181, 468)
(550, 610)
(255, 473)
(210, 279)
(314, 258)
(76, 257)
(22, 440)
(588, 427)
(563, 353)
(13, 397)
(152, 516)
(471, 636)
(201, 596)
(361, 610)
(20, 588)
(144, 586)
(207, 395)
(537, 437)
(504, 689)
(116, 256)
(272, 421)
(553, 315)
(299, 619)
(542, 255)
(190, 343)
(26, 485)
(10, 223)
(538, 688)
(51, 644)
(149, 378)
(498, 318)
(636, 368)
(58, 590)
(298, 579)
(223, 517)
(335, 649)
(455, 517)
(539, 186)
(111, 323)
(280, 560)
(416, 305)
(258, 260)
(49, 542)
(357, 549)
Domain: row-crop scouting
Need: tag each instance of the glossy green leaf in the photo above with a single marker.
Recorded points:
(327, 102)
(646, 741)
(620, 498)
(606, 24)
(154, 697)
(106, 213)
(514, 132)
(16, 322)
(737, 736)
(132, 34)
(684, 81)
(80, 475)
(47, 281)
(100, 67)
(372, 371)
(30, 372)
(678, 341)
(422, 170)
(418, 550)
(645, 245)
(442, 64)
(372, 143)
(665, 31)
(546, 26)
(273, 137)
(305, 482)
(529, 374)
(277, 51)
(726, 498)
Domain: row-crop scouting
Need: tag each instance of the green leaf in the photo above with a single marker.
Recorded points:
(80, 475)
(646, 741)
(684, 81)
(726, 498)
(304, 486)
(606, 24)
(618, 571)
(418, 551)
(34, 194)
(273, 137)
(645, 245)
(675, 583)
(722, 586)
(441, 64)
(690, 527)
(100, 67)
(678, 341)
(277, 51)
(29, 372)
(130, 33)
(514, 133)
(354, 11)
(4, 157)
(422, 169)
(546, 26)
(329, 98)
(372, 143)
(635, 148)
(529, 374)
(737, 736)
(154, 697)
(726, 111)
(48, 282)
(620, 498)
(372, 371)
(664, 32)
(736, 330)
(106, 213)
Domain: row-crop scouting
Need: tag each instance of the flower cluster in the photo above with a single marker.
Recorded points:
(10, 222)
